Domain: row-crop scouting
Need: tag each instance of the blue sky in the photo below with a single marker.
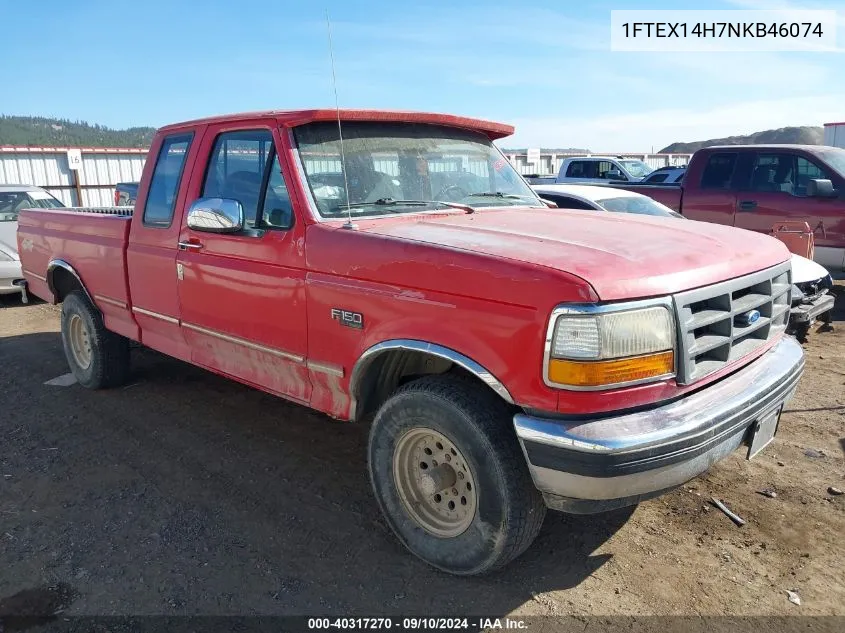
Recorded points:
(545, 67)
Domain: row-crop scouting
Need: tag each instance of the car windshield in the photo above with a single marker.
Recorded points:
(637, 168)
(641, 205)
(405, 168)
(834, 157)
(13, 202)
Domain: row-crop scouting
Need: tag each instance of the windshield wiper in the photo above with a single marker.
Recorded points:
(390, 202)
(497, 194)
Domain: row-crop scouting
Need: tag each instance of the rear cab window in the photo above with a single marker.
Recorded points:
(164, 185)
(719, 171)
(582, 169)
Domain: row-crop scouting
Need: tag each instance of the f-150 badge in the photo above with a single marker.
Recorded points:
(349, 319)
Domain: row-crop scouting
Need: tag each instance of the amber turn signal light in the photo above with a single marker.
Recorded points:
(609, 372)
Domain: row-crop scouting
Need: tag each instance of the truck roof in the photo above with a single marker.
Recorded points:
(293, 118)
(596, 157)
(774, 146)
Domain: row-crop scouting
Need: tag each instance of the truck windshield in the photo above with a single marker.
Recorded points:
(405, 162)
(834, 157)
(637, 168)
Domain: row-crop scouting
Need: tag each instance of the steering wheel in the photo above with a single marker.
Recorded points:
(339, 203)
(452, 192)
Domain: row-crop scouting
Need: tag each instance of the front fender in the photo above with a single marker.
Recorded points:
(372, 353)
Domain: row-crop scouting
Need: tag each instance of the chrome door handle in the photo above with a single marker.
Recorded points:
(189, 245)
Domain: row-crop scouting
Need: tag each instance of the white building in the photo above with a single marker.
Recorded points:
(834, 134)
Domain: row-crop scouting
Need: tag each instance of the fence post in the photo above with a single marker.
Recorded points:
(78, 186)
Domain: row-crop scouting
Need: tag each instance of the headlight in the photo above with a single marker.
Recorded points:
(598, 348)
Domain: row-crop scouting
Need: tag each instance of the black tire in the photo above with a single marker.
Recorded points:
(509, 510)
(109, 357)
(800, 331)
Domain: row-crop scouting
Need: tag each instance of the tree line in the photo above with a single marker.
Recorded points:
(46, 131)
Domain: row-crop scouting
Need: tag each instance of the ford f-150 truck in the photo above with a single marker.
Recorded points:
(755, 186)
(508, 357)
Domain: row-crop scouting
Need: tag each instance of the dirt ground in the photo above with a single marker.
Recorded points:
(184, 493)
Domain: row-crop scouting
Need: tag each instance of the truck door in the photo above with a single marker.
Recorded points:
(712, 198)
(242, 294)
(151, 254)
(776, 190)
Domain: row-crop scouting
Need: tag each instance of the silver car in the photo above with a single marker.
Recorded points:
(14, 198)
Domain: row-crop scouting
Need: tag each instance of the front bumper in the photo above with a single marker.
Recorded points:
(810, 310)
(593, 465)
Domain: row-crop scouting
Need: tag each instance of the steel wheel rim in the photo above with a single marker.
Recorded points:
(434, 482)
(80, 342)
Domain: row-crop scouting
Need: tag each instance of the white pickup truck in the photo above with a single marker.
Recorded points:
(595, 169)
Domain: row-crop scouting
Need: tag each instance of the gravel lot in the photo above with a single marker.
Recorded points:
(184, 493)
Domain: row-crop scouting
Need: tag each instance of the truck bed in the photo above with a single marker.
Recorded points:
(93, 242)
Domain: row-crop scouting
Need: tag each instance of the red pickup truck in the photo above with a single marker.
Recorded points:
(755, 186)
(508, 357)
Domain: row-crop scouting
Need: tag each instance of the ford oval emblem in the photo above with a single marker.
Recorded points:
(747, 318)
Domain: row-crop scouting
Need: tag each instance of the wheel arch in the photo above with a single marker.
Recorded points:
(63, 279)
(396, 359)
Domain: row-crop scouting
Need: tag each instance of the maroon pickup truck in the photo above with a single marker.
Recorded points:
(755, 186)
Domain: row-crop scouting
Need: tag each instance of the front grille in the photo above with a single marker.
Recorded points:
(712, 328)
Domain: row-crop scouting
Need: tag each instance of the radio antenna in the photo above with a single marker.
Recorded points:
(349, 224)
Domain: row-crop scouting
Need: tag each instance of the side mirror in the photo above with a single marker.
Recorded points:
(549, 203)
(216, 215)
(820, 188)
(614, 174)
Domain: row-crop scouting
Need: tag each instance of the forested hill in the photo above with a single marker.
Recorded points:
(799, 135)
(43, 131)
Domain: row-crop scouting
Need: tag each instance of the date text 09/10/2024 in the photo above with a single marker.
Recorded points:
(417, 624)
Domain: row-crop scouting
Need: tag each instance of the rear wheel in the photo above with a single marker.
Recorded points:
(450, 477)
(97, 357)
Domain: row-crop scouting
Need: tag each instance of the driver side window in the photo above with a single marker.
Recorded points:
(805, 172)
(244, 166)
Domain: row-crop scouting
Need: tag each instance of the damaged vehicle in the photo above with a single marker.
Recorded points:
(812, 296)
(507, 358)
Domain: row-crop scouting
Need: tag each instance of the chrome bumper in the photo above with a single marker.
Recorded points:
(592, 465)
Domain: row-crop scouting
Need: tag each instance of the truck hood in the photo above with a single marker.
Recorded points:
(622, 256)
(9, 238)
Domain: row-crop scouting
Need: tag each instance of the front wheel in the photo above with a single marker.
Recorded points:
(98, 358)
(449, 475)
